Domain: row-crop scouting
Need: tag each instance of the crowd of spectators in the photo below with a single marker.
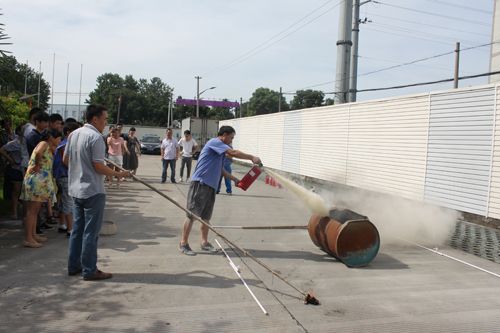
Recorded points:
(36, 178)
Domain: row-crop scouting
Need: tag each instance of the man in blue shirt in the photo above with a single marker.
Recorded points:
(60, 171)
(204, 183)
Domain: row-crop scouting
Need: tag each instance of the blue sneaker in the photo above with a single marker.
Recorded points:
(186, 249)
(208, 248)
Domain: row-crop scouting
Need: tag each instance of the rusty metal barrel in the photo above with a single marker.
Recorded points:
(345, 235)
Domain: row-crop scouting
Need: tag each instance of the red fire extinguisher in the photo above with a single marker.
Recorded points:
(249, 178)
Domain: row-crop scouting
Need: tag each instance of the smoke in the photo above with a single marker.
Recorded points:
(312, 200)
(398, 219)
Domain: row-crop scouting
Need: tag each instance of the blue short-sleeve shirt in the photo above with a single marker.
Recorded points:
(209, 167)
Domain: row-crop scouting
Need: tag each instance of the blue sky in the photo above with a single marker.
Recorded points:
(179, 39)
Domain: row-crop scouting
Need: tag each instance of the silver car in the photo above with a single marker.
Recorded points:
(150, 144)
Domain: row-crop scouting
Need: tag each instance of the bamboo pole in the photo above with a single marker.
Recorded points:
(308, 297)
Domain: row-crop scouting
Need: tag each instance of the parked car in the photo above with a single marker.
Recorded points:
(151, 144)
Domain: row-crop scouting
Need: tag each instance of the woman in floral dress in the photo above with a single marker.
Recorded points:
(39, 185)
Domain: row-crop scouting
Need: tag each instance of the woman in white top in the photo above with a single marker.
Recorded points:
(189, 147)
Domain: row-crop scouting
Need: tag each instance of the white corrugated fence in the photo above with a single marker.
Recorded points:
(441, 147)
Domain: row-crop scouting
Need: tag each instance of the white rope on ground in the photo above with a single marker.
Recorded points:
(452, 258)
(237, 271)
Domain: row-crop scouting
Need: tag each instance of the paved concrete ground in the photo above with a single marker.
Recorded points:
(156, 289)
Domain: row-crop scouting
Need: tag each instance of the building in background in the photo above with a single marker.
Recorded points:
(69, 110)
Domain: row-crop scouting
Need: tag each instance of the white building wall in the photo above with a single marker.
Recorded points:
(442, 147)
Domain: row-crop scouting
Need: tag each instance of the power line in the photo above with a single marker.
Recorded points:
(402, 34)
(401, 65)
(422, 59)
(271, 38)
(397, 62)
(415, 84)
(461, 6)
(404, 29)
(271, 41)
(461, 19)
(426, 83)
(430, 25)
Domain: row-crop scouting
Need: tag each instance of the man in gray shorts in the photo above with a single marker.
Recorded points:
(204, 183)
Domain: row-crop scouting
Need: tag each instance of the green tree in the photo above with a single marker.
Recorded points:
(108, 90)
(220, 113)
(304, 99)
(329, 101)
(157, 95)
(245, 111)
(264, 101)
(13, 109)
(12, 81)
(183, 111)
(142, 102)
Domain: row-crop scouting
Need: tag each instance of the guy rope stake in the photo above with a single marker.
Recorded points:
(307, 297)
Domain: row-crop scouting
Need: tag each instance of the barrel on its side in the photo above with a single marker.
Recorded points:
(346, 235)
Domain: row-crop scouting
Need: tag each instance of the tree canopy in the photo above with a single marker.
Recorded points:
(13, 109)
(142, 102)
(13, 78)
(264, 101)
(304, 99)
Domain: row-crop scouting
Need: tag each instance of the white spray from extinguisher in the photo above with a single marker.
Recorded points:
(312, 200)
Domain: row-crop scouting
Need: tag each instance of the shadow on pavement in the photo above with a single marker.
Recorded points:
(195, 278)
(382, 261)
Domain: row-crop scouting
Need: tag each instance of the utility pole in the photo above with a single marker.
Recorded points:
(66, 98)
(353, 77)
(343, 53)
(80, 91)
(241, 105)
(172, 109)
(279, 101)
(354, 56)
(119, 107)
(39, 79)
(168, 113)
(457, 64)
(52, 88)
(26, 79)
(197, 96)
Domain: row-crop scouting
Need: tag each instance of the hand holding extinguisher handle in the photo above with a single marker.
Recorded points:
(256, 160)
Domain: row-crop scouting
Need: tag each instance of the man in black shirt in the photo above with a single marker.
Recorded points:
(41, 119)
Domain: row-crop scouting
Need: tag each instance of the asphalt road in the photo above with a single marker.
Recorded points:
(157, 289)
